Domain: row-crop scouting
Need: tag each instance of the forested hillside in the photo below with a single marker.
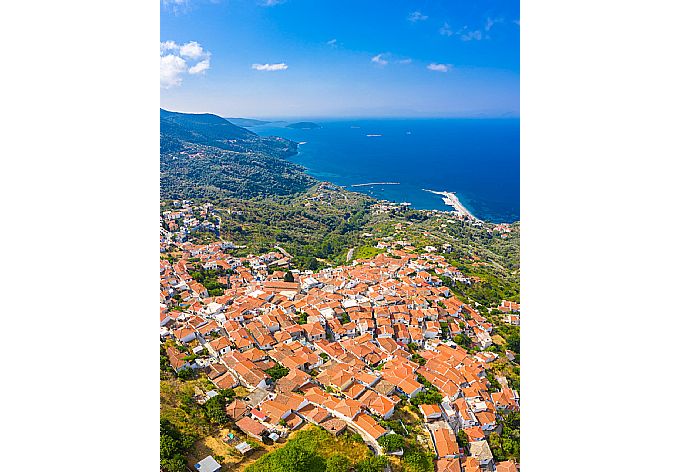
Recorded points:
(206, 156)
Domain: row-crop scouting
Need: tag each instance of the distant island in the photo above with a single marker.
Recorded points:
(247, 122)
(304, 125)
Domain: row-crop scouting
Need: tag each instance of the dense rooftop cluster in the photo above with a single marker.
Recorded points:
(341, 348)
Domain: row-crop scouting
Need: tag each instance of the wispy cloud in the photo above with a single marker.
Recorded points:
(176, 6)
(379, 59)
(177, 60)
(446, 30)
(467, 35)
(490, 22)
(416, 16)
(439, 67)
(386, 58)
(271, 3)
(333, 42)
(270, 67)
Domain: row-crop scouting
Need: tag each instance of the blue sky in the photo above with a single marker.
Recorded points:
(318, 58)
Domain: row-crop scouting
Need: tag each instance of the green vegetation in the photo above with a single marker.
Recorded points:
(215, 410)
(209, 279)
(463, 340)
(337, 463)
(494, 386)
(186, 374)
(314, 449)
(418, 359)
(417, 459)
(507, 445)
(512, 336)
(391, 442)
(430, 396)
(173, 446)
(367, 252)
(463, 440)
(372, 464)
(277, 371)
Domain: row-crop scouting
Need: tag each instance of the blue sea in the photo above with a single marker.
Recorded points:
(478, 159)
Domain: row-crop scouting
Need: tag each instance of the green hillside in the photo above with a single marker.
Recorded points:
(206, 156)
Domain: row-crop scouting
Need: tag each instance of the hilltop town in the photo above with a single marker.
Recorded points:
(380, 349)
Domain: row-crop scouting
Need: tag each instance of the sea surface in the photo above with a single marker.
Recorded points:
(478, 159)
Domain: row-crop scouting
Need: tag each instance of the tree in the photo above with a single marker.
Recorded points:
(337, 463)
(391, 442)
(292, 458)
(186, 374)
(215, 410)
(513, 343)
(312, 263)
(289, 277)
(172, 445)
(463, 340)
(463, 440)
(427, 398)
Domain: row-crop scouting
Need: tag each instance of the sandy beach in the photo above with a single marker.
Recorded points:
(450, 199)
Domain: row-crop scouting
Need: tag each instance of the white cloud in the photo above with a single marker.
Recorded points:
(470, 35)
(332, 42)
(270, 67)
(271, 3)
(176, 60)
(416, 16)
(405, 61)
(446, 30)
(192, 50)
(172, 68)
(200, 67)
(378, 59)
(439, 67)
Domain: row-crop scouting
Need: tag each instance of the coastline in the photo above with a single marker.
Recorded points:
(450, 199)
(341, 156)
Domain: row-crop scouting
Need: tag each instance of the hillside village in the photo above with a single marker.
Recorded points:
(354, 346)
